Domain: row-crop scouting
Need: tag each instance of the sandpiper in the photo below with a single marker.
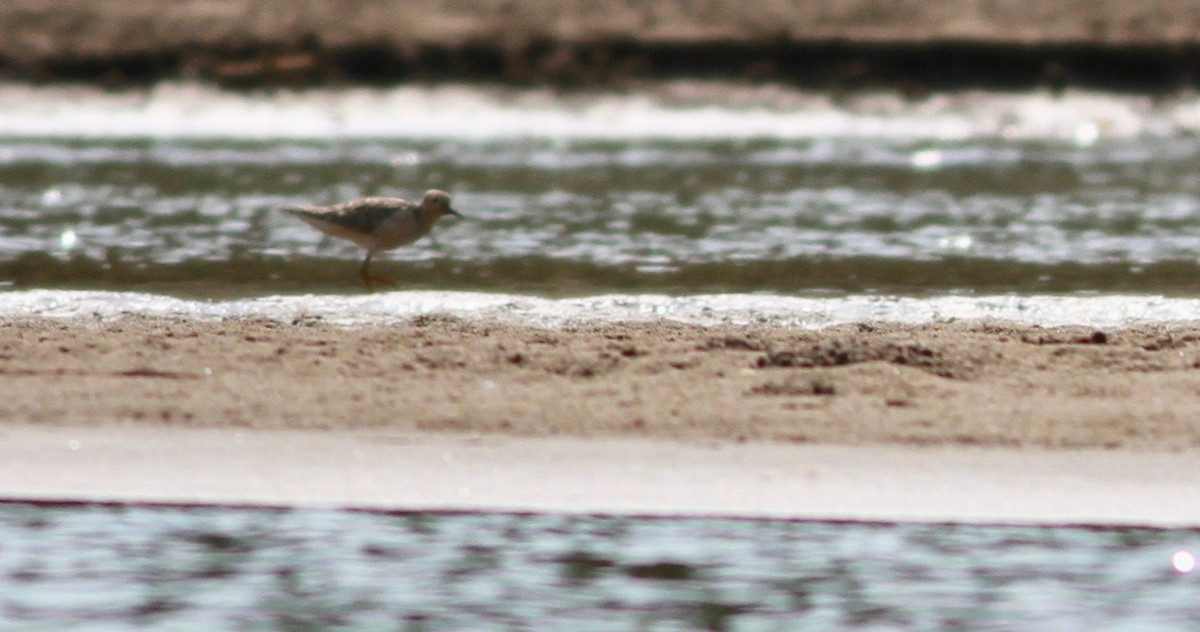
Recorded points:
(377, 223)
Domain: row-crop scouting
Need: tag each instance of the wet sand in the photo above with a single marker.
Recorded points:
(380, 470)
(964, 384)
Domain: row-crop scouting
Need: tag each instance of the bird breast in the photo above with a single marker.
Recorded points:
(401, 228)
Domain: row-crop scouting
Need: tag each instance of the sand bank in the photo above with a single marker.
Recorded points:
(839, 43)
(50, 27)
(978, 384)
(968, 422)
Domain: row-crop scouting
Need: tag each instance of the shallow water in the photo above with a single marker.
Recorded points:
(683, 189)
(103, 567)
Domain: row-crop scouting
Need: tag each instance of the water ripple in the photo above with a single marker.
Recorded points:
(266, 569)
(788, 194)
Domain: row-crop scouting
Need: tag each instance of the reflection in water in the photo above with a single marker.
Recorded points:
(213, 568)
(1184, 562)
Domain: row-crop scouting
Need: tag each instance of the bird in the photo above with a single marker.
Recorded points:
(377, 223)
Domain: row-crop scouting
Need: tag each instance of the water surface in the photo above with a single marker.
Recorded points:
(682, 189)
(104, 567)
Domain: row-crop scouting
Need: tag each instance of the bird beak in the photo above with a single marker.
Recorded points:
(453, 212)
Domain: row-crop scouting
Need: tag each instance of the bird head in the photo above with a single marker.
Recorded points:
(437, 203)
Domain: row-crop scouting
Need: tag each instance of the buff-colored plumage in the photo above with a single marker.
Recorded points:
(377, 223)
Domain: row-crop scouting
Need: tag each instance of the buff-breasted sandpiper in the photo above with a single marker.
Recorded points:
(377, 223)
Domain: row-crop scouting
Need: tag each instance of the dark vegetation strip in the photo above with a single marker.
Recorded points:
(914, 68)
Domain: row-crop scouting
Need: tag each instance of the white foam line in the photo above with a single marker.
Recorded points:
(183, 110)
(1095, 311)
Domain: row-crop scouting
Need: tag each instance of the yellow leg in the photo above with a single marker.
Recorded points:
(369, 279)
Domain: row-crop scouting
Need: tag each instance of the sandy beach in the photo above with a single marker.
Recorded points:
(977, 384)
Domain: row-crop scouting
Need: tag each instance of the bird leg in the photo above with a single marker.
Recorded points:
(369, 279)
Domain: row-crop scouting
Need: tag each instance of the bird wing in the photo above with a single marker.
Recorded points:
(363, 216)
